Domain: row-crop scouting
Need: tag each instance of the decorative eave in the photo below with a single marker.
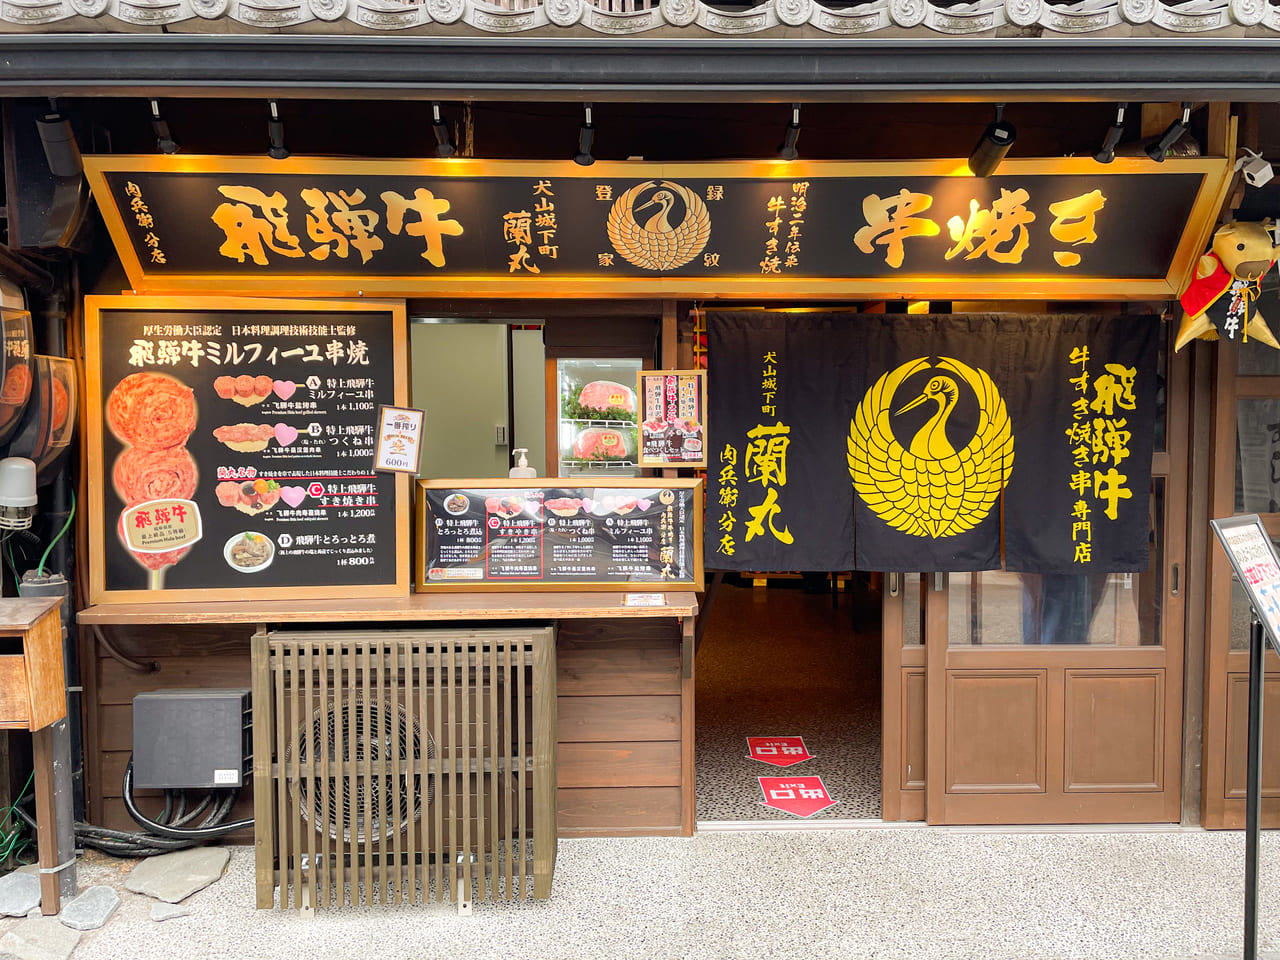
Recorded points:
(952, 53)
(579, 17)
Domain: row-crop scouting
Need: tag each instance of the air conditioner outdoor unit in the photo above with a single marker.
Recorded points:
(404, 766)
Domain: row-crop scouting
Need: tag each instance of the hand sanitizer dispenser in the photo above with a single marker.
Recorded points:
(522, 470)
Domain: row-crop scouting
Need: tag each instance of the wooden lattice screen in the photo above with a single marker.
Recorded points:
(404, 766)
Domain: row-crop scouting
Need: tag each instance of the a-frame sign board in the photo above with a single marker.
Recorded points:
(1254, 559)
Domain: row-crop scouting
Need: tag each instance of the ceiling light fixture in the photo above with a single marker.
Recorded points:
(275, 133)
(1158, 149)
(788, 151)
(1107, 152)
(992, 145)
(586, 139)
(164, 139)
(59, 142)
(444, 142)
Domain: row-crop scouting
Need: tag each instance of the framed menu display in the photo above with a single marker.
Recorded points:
(615, 534)
(1253, 557)
(673, 418)
(231, 449)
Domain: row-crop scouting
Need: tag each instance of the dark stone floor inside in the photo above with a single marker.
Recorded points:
(778, 661)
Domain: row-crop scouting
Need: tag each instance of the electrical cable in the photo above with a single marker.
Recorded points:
(165, 834)
(70, 516)
(13, 844)
(203, 832)
(17, 581)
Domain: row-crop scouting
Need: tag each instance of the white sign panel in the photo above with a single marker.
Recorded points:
(399, 439)
(1254, 558)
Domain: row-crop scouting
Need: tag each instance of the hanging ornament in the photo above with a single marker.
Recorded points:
(1221, 299)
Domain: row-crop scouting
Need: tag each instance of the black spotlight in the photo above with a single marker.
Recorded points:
(59, 140)
(586, 138)
(275, 133)
(164, 139)
(788, 151)
(1157, 149)
(1107, 152)
(444, 143)
(992, 146)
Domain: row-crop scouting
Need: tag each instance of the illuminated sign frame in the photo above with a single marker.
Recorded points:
(1197, 185)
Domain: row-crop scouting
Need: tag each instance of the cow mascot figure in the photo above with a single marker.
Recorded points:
(1220, 301)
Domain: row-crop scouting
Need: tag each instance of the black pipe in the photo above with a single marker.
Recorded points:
(51, 337)
(1253, 791)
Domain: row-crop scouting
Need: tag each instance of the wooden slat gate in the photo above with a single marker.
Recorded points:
(404, 766)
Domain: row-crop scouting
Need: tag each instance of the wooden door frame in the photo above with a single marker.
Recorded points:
(1217, 809)
(1047, 665)
(901, 795)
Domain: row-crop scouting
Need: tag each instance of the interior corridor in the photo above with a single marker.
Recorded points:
(777, 662)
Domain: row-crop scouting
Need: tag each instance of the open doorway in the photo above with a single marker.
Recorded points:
(789, 657)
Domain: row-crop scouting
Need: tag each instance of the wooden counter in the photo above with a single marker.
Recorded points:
(624, 681)
(415, 607)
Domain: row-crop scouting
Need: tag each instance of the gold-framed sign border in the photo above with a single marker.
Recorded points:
(1216, 174)
(95, 307)
(649, 464)
(422, 585)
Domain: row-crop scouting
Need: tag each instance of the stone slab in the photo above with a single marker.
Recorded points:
(40, 938)
(173, 877)
(19, 892)
(169, 911)
(91, 909)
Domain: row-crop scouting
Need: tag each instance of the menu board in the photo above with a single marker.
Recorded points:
(673, 418)
(517, 535)
(1253, 557)
(232, 449)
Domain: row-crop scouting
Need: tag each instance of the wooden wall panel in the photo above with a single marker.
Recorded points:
(990, 707)
(620, 709)
(588, 719)
(617, 657)
(1238, 735)
(654, 764)
(619, 811)
(1114, 731)
(119, 684)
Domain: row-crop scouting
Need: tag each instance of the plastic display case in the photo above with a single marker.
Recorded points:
(597, 432)
(49, 420)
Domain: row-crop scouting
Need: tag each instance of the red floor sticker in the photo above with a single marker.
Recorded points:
(779, 751)
(799, 796)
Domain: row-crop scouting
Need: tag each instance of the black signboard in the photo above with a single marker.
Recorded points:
(232, 446)
(515, 535)
(339, 225)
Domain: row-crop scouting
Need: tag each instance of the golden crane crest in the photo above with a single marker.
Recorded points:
(656, 244)
(928, 488)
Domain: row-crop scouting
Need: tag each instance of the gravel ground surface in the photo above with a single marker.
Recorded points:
(918, 893)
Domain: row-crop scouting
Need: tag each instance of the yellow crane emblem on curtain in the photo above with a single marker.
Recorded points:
(657, 244)
(928, 488)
